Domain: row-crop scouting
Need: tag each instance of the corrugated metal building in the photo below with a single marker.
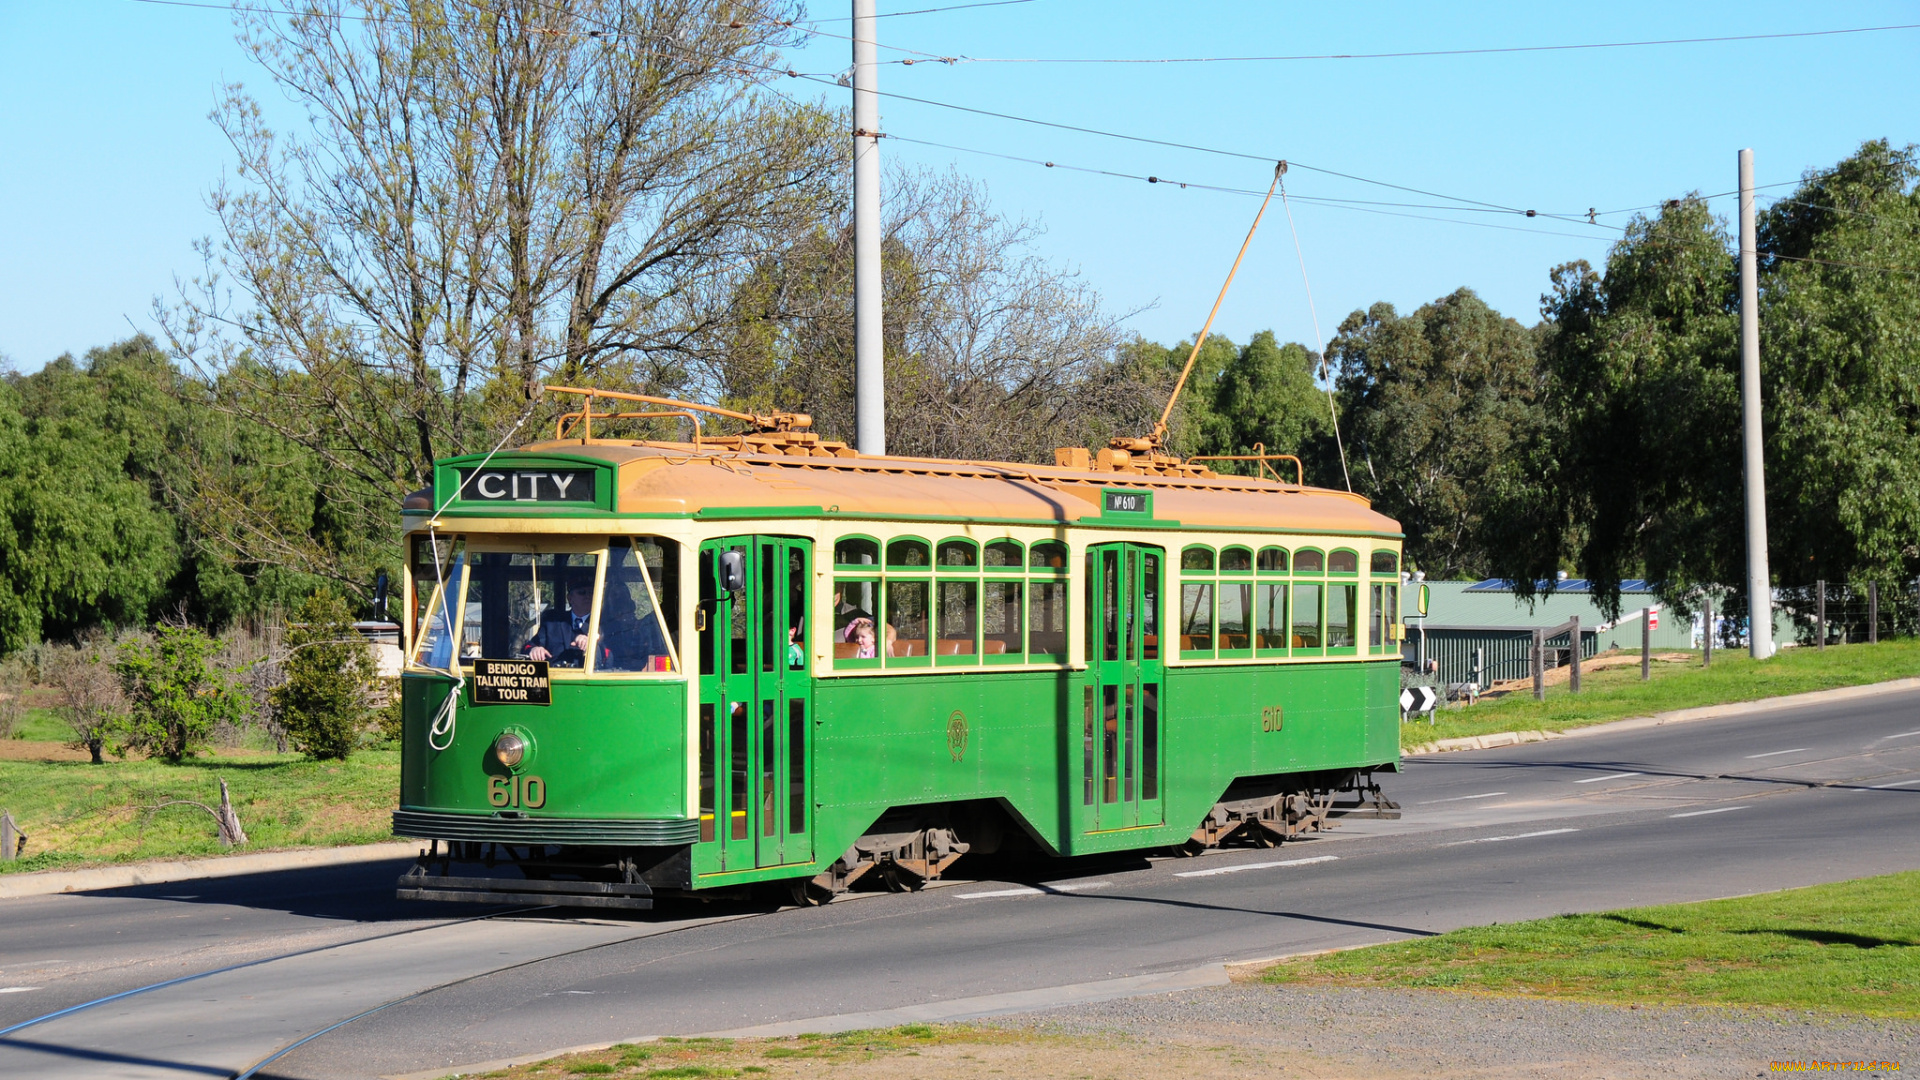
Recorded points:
(1463, 616)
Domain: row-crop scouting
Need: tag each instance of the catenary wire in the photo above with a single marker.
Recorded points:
(1419, 53)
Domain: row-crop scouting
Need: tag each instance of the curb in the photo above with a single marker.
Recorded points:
(1677, 716)
(53, 882)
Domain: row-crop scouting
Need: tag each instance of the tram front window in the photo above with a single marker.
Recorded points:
(532, 606)
(633, 632)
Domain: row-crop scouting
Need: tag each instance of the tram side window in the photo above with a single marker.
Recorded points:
(1046, 620)
(634, 631)
(1306, 616)
(906, 620)
(959, 620)
(1271, 612)
(1000, 621)
(1196, 618)
(856, 636)
(1340, 616)
(532, 606)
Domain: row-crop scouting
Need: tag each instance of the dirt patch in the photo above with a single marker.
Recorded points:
(35, 750)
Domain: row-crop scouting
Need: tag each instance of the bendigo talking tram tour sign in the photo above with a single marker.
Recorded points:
(511, 682)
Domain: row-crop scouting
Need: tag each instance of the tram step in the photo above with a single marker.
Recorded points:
(601, 894)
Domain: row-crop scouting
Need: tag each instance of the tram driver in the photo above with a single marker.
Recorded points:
(562, 636)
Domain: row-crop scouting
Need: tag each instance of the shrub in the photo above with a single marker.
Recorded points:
(175, 693)
(92, 699)
(330, 675)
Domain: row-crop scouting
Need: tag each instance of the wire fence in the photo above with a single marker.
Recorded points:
(1850, 612)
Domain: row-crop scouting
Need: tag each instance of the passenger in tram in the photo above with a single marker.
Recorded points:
(630, 641)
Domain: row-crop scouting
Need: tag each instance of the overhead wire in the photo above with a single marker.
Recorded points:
(1420, 53)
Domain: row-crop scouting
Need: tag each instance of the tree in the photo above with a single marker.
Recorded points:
(490, 195)
(82, 539)
(92, 701)
(1840, 349)
(1433, 407)
(175, 693)
(991, 352)
(329, 674)
(1265, 394)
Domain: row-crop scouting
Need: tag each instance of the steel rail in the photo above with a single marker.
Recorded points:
(83, 1006)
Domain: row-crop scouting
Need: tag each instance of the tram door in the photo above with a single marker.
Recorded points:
(756, 702)
(1120, 734)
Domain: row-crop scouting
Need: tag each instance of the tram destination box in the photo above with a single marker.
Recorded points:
(511, 682)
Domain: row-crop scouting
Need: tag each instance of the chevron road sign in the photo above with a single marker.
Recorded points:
(1415, 700)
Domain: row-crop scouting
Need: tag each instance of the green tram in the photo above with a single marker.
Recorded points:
(638, 668)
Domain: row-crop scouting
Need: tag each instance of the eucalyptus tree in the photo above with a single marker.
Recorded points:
(1436, 407)
(485, 196)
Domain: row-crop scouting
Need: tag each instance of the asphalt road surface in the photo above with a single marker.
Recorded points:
(1683, 812)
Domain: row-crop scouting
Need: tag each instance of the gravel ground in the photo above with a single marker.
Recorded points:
(1392, 1033)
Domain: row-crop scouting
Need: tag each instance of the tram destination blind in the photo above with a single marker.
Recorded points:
(527, 485)
(511, 682)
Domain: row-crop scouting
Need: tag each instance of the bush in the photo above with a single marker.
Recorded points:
(92, 699)
(329, 678)
(175, 693)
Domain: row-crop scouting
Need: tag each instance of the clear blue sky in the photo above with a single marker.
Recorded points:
(106, 152)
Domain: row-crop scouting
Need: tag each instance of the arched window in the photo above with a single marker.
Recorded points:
(1385, 562)
(959, 555)
(1273, 560)
(1197, 558)
(1343, 561)
(1049, 555)
(908, 553)
(1236, 560)
(1308, 561)
(856, 551)
(1003, 553)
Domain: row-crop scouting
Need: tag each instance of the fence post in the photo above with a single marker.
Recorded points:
(1573, 639)
(1873, 613)
(11, 838)
(1820, 610)
(1539, 664)
(1706, 618)
(1646, 644)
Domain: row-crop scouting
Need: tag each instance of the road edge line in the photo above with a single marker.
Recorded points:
(93, 879)
(1677, 716)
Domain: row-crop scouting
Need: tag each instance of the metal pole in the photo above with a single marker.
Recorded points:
(1873, 613)
(869, 374)
(1759, 581)
(1573, 653)
(1539, 664)
(1646, 644)
(1707, 638)
(1820, 611)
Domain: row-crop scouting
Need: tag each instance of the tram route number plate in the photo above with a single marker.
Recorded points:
(1126, 502)
(511, 682)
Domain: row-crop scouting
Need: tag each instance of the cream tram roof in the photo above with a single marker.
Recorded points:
(674, 479)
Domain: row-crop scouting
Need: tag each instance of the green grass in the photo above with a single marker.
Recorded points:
(1617, 693)
(77, 814)
(42, 725)
(1850, 947)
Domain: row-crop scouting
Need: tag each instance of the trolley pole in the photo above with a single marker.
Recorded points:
(869, 375)
(1759, 581)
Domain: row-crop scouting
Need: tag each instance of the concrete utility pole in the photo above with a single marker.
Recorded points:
(869, 375)
(1759, 581)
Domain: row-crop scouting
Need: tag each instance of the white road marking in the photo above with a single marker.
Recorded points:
(1902, 735)
(16, 989)
(1028, 890)
(1517, 836)
(1715, 810)
(1464, 798)
(1896, 783)
(1257, 866)
(1615, 776)
(1777, 753)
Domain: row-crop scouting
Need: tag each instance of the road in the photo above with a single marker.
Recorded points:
(1682, 812)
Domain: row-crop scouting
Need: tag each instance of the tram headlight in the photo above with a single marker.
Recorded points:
(510, 749)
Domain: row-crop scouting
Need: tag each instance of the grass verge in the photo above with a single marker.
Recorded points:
(1616, 693)
(77, 814)
(1850, 947)
(804, 1055)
